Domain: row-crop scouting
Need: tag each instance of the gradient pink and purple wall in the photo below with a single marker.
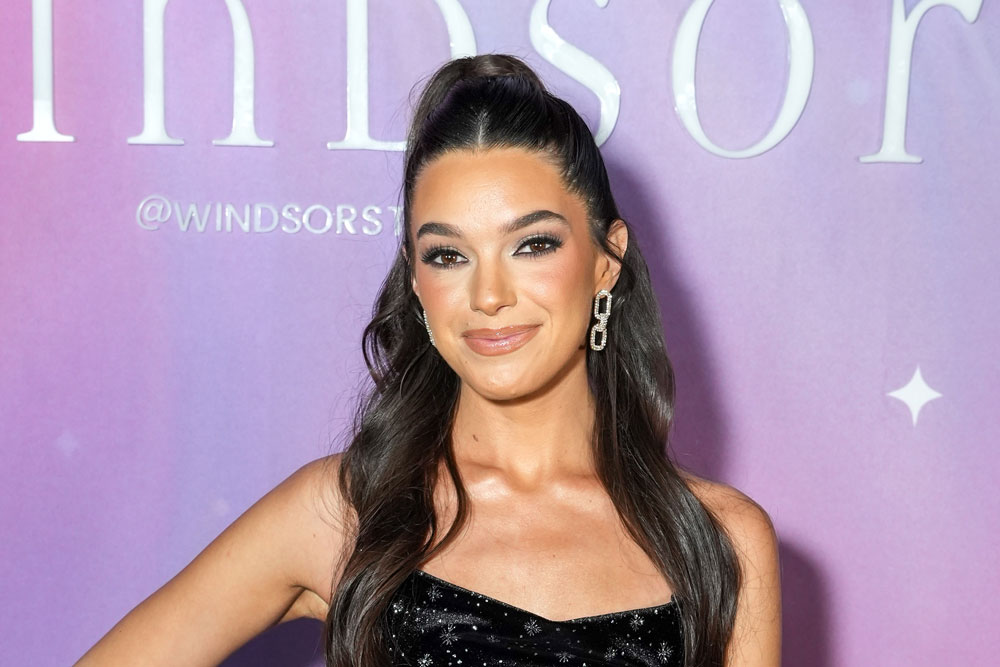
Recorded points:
(156, 380)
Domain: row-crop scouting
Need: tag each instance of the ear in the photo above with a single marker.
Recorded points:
(608, 267)
(413, 279)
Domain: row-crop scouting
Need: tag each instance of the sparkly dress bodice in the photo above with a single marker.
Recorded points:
(435, 623)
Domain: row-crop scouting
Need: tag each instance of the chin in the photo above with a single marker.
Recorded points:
(501, 390)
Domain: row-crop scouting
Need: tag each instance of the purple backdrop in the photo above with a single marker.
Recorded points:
(155, 379)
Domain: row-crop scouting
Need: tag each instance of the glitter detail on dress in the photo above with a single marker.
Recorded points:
(436, 622)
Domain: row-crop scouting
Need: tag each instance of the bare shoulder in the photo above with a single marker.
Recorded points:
(275, 562)
(314, 490)
(756, 638)
(740, 514)
(310, 503)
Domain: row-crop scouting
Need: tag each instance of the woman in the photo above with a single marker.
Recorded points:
(507, 498)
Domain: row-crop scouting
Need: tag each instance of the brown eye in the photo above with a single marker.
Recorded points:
(538, 245)
(430, 257)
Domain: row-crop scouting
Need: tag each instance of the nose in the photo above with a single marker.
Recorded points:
(491, 288)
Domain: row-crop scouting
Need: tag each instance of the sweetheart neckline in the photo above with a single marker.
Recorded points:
(672, 603)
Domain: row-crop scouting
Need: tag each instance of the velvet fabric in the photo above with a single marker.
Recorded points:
(432, 622)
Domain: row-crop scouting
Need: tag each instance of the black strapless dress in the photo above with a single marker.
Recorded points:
(435, 623)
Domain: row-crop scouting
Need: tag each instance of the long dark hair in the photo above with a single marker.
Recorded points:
(402, 426)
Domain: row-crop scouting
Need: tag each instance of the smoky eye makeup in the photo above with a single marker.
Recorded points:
(548, 242)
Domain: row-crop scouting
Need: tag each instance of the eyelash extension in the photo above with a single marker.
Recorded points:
(436, 251)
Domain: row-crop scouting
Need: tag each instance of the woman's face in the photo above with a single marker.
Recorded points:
(501, 243)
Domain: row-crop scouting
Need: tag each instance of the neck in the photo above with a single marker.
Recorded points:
(532, 440)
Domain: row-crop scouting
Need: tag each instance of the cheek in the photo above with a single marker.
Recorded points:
(438, 287)
(560, 286)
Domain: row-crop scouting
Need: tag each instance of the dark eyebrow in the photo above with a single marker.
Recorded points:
(445, 229)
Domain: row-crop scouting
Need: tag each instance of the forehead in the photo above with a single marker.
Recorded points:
(487, 187)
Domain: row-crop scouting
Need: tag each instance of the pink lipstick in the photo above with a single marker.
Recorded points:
(491, 342)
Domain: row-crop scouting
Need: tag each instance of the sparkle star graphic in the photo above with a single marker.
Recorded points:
(916, 394)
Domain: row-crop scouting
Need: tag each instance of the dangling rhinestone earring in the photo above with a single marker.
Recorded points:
(602, 320)
(428, 327)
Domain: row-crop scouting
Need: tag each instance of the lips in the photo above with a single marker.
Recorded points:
(491, 342)
(503, 332)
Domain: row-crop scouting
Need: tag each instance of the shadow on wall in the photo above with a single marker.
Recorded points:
(700, 436)
(292, 644)
(805, 611)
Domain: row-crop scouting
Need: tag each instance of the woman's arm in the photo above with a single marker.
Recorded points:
(756, 640)
(274, 563)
